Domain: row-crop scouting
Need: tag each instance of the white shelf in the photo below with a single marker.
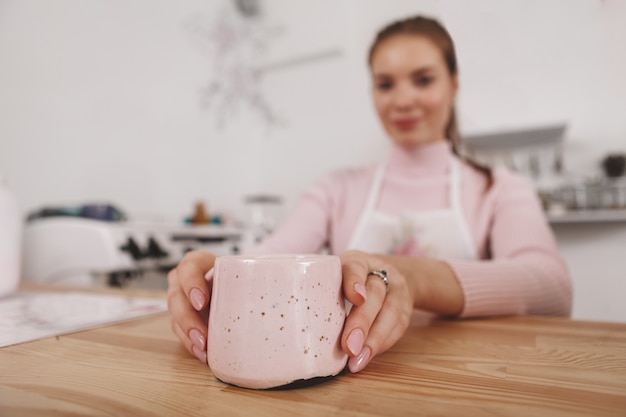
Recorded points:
(587, 216)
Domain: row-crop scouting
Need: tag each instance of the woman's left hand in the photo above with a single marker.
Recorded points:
(380, 315)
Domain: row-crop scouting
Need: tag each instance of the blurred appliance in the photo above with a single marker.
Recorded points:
(263, 213)
(587, 194)
(10, 240)
(74, 249)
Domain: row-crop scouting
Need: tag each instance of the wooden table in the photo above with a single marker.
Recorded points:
(523, 366)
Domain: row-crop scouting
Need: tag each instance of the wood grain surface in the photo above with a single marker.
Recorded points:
(517, 366)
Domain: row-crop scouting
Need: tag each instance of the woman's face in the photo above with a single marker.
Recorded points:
(413, 89)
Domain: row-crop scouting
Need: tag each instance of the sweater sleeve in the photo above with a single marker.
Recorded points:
(526, 274)
(305, 230)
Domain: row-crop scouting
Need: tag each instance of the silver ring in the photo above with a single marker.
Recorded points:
(382, 274)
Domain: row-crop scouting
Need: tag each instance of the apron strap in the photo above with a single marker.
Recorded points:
(370, 204)
(457, 207)
(455, 184)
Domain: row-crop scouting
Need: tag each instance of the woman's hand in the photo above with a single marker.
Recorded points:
(380, 315)
(188, 297)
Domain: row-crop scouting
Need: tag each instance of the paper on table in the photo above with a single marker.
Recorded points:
(32, 315)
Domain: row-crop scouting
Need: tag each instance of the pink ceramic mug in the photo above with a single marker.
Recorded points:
(275, 320)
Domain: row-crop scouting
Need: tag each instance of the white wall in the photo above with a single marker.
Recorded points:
(594, 253)
(99, 100)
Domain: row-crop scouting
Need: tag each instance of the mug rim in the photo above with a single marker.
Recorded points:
(280, 257)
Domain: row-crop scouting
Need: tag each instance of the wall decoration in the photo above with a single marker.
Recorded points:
(237, 39)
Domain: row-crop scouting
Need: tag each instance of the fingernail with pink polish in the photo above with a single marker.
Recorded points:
(197, 299)
(357, 363)
(197, 338)
(360, 289)
(355, 341)
(200, 354)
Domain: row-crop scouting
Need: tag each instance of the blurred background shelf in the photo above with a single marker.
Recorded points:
(587, 216)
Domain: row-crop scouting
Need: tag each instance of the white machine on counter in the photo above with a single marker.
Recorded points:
(10, 240)
(73, 249)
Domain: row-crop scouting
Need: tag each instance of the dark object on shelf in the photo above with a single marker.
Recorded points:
(614, 165)
(104, 212)
(155, 251)
(248, 8)
(133, 249)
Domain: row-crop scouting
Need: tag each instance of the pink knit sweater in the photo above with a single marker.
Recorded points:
(520, 270)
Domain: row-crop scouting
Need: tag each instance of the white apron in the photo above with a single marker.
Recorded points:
(441, 233)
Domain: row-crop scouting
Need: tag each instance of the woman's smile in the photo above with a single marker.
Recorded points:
(406, 124)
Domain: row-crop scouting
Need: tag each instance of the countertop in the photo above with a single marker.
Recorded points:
(526, 366)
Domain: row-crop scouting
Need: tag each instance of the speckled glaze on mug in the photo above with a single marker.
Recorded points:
(275, 320)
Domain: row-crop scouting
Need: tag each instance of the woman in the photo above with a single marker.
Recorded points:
(454, 239)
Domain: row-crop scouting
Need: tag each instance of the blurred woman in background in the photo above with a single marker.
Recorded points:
(424, 229)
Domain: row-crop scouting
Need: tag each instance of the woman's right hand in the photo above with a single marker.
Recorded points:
(188, 296)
